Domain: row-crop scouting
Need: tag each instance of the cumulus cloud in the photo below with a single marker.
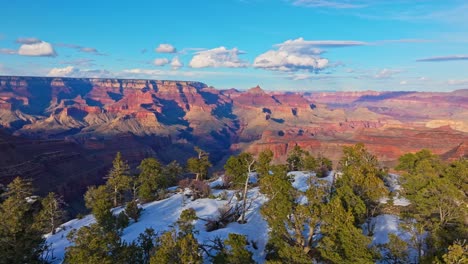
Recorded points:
(160, 61)
(28, 41)
(61, 72)
(444, 58)
(176, 63)
(299, 54)
(218, 57)
(166, 48)
(42, 48)
(71, 71)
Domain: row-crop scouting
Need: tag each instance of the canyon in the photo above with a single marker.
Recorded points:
(67, 130)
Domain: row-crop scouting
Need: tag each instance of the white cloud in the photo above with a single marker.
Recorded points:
(457, 82)
(218, 57)
(71, 71)
(313, 45)
(166, 48)
(42, 48)
(176, 63)
(404, 82)
(298, 54)
(386, 73)
(160, 61)
(62, 72)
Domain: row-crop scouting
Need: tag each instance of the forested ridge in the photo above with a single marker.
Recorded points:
(329, 218)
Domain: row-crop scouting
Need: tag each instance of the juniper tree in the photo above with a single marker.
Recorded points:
(362, 173)
(199, 165)
(150, 179)
(234, 251)
(437, 202)
(93, 244)
(264, 160)
(240, 167)
(295, 159)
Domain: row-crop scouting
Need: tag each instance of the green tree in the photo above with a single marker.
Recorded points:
(51, 214)
(292, 224)
(457, 253)
(342, 242)
(239, 168)
(362, 173)
(132, 210)
(93, 244)
(118, 178)
(150, 179)
(178, 247)
(147, 242)
(395, 251)
(437, 203)
(295, 159)
(199, 165)
(20, 240)
(99, 200)
(234, 251)
(171, 172)
(264, 160)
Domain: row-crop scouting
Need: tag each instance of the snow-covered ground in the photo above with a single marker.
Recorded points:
(394, 186)
(159, 215)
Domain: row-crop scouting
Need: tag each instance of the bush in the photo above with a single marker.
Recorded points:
(199, 189)
(132, 210)
(121, 221)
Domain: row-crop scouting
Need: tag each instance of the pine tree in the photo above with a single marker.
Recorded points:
(99, 200)
(171, 172)
(118, 178)
(199, 165)
(264, 160)
(150, 179)
(51, 214)
(147, 242)
(437, 202)
(295, 159)
(132, 210)
(240, 167)
(362, 173)
(342, 242)
(93, 244)
(178, 247)
(20, 240)
(395, 251)
(234, 251)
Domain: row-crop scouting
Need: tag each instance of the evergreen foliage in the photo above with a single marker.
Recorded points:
(199, 165)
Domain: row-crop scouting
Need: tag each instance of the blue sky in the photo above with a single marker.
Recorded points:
(306, 45)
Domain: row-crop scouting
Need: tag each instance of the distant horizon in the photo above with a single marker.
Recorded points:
(235, 88)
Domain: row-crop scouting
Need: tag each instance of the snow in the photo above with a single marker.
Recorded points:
(159, 215)
(392, 182)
